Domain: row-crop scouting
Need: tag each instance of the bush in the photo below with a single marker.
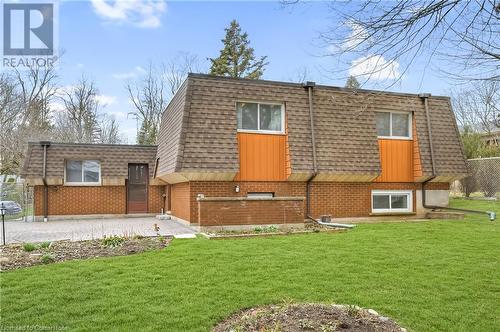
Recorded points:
(47, 258)
(45, 245)
(29, 247)
(113, 241)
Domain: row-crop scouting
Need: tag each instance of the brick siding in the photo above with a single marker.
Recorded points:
(339, 199)
(65, 200)
(250, 212)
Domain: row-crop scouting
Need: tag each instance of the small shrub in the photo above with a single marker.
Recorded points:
(257, 229)
(47, 258)
(272, 229)
(29, 247)
(45, 245)
(113, 241)
(353, 310)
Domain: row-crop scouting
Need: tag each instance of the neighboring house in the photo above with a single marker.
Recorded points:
(235, 152)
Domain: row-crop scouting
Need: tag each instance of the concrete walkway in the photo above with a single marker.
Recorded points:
(76, 230)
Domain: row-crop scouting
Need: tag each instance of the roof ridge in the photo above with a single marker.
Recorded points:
(296, 84)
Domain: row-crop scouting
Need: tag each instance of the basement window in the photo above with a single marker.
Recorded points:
(393, 125)
(260, 117)
(260, 195)
(83, 172)
(391, 201)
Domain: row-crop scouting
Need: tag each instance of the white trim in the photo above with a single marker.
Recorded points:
(410, 125)
(82, 184)
(409, 193)
(262, 131)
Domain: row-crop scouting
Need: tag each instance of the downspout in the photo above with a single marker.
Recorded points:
(45, 145)
(491, 214)
(309, 86)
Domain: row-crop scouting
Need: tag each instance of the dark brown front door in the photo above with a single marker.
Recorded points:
(137, 188)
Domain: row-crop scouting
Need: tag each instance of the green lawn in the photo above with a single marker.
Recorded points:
(429, 276)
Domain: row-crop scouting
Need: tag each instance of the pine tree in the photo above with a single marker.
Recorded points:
(352, 83)
(237, 58)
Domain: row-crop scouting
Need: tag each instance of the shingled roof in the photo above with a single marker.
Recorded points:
(199, 127)
(114, 158)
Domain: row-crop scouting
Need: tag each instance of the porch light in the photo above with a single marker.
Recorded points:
(236, 189)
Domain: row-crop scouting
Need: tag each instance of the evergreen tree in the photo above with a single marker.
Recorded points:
(237, 59)
(352, 83)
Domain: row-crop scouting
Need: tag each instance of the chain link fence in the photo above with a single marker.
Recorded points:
(18, 199)
(483, 181)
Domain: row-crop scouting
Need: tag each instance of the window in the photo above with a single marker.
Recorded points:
(83, 172)
(260, 195)
(393, 125)
(261, 117)
(392, 201)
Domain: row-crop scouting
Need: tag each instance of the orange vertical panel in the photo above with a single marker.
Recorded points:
(262, 157)
(417, 163)
(396, 160)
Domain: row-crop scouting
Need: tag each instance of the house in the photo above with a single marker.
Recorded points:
(238, 152)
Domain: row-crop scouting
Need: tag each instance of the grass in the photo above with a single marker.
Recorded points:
(429, 276)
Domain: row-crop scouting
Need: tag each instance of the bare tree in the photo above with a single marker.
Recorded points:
(78, 122)
(478, 106)
(151, 93)
(10, 111)
(149, 98)
(37, 88)
(26, 111)
(386, 33)
(109, 131)
(177, 68)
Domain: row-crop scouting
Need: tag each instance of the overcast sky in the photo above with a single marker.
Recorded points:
(113, 42)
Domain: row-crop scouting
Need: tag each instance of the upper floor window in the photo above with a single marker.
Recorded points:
(83, 172)
(260, 117)
(393, 124)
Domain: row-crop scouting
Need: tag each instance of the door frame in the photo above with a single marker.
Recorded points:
(127, 184)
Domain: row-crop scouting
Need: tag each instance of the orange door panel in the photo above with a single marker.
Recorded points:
(262, 157)
(396, 160)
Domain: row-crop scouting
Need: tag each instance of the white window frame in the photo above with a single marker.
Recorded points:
(98, 183)
(409, 193)
(410, 125)
(262, 131)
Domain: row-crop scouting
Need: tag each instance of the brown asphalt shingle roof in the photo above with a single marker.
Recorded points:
(199, 127)
(114, 158)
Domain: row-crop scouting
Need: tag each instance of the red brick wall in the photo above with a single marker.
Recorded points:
(65, 200)
(339, 199)
(250, 212)
(181, 200)
(155, 199)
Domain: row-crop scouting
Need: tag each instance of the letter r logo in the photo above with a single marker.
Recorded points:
(28, 29)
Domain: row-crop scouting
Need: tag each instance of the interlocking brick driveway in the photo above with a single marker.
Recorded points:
(76, 230)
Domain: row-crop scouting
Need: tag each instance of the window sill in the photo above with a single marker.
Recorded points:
(245, 131)
(396, 138)
(79, 184)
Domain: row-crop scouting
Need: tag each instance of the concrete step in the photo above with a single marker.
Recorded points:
(444, 215)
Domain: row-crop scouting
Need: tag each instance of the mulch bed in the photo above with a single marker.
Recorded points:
(13, 256)
(308, 317)
(252, 233)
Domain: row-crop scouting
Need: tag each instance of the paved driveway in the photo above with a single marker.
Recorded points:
(76, 230)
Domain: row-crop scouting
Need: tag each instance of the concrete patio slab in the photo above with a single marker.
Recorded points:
(88, 229)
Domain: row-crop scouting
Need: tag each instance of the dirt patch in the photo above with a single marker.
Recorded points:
(308, 317)
(14, 256)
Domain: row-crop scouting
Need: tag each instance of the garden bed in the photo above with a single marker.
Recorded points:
(267, 231)
(308, 317)
(14, 256)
